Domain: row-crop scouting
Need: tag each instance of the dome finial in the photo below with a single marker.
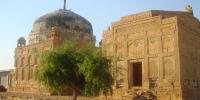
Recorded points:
(189, 9)
(21, 42)
(64, 5)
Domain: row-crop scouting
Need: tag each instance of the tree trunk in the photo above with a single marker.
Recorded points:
(74, 94)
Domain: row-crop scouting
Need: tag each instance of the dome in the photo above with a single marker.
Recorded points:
(21, 41)
(69, 23)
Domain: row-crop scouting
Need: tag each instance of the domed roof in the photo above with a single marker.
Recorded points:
(66, 20)
(21, 41)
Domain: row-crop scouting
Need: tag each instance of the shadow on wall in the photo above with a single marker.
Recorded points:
(148, 95)
(2, 88)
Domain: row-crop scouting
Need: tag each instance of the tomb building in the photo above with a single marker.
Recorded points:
(155, 50)
(48, 32)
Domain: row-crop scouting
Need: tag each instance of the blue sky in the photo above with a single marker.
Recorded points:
(17, 16)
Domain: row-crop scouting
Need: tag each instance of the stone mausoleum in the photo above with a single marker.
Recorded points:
(48, 32)
(156, 50)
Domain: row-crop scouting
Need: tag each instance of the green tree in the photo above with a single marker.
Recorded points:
(96, 71)
(83, 70)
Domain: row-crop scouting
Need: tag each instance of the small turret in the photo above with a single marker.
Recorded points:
(189, 9)
(21, 42)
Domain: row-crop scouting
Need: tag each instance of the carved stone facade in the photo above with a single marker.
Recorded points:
(158, 51)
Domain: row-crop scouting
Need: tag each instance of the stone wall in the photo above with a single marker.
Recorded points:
(166, 43)
(189, 40)
(4, 78)
(26, 96)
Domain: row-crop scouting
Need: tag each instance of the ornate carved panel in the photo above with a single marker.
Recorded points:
(109, 49)
(120, 72)
(26, 74)
(22, 62)
(32, 60)
(22, 74)
(152, 32)
(168, 43)
(19, 74)
(28, 60)
(16, 74)
(35, 60)
(30, 73)
(169, 67)
(153, 45)
(133, 35)
(107, 45)
(153, 67)
(120, 45)
(121, 30)
(168, 29)
(136, 47)
(120, 68)
(16, 62)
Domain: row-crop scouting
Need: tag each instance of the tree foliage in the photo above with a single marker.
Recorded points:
(95, 69)
(80, 69)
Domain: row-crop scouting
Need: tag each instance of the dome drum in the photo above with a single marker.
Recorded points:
(68, 22)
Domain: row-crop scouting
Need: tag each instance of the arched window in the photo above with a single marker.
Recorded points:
(16, 74)
(36, 60)
(16, 62)
(30, 74)
(22, 74)
(168, 69)
(153, 68)
(22, 62)
(28, 60)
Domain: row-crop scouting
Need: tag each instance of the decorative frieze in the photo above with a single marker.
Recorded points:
(153, 67)
(169, 67)
(154, 46)
(136, 47)
(168, 43)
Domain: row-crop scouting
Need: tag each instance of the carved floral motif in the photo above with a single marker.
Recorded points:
(136, 47)
(154, 68)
